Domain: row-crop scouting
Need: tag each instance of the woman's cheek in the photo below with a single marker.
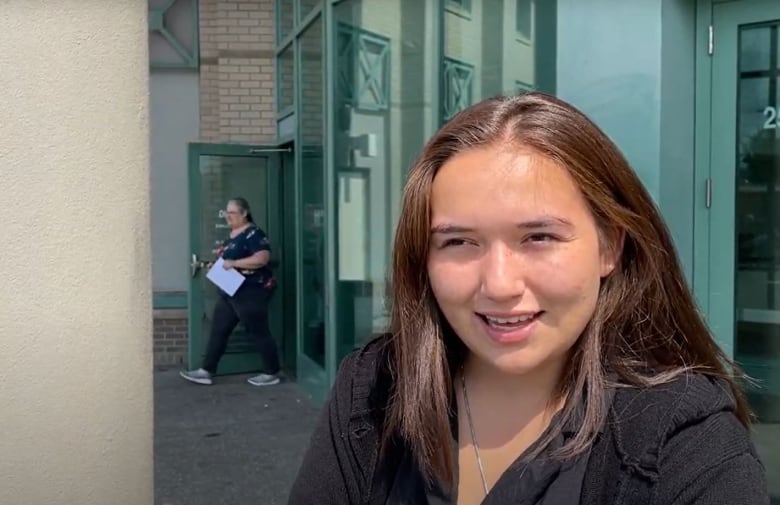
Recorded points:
(451, 282)
(563, 277)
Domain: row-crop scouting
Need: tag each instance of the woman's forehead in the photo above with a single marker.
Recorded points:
(489, 174)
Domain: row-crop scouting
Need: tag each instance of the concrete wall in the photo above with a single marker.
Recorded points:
(174, 122)
(75, 324)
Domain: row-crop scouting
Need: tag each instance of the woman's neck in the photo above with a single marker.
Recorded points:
(235, 231)
(532, 392)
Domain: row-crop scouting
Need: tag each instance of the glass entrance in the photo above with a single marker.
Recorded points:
(757, 204)
(313, 360)
(745, 220)
(217, 173)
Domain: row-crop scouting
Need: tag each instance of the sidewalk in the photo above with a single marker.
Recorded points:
(229, 443)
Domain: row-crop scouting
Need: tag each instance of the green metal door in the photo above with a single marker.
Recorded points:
(744, 206)
(218, 172)
(745, 197)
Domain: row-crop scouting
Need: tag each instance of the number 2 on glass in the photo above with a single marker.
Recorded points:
(771, 115)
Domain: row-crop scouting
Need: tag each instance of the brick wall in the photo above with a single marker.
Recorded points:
(237, 71)
(170, 337)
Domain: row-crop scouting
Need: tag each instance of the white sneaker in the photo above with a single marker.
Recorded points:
(199, 376)
(264, 379)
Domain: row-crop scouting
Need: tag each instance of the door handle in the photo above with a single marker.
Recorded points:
(196, 265)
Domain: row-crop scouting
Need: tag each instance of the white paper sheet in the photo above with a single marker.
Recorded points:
(227, 280)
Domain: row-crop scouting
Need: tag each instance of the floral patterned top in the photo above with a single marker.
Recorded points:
(245, 244)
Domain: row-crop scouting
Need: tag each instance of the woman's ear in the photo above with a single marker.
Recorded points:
(611, 250)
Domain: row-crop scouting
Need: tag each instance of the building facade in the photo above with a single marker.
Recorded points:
(315, 109)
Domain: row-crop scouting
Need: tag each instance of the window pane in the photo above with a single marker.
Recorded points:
(754, 49)
(284, 18)
(383, 75)
(491, 51)
(306, 7)
(312, 209)
(285, 79)
(461, 6)
(757, 218)
(524, 19)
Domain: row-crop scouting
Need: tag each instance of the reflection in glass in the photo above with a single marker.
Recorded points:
(382, 117)
(754, 49)
(487, 52)
(312, 210)
(757, 207)
(285, 78)
(524, 16)
(306, 7)
(284, 18)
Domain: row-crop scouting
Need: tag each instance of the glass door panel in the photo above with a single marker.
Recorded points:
(381, 123)
(757, 209)
(745, 213)
(757, 230)
(214, 179)
(312, 203)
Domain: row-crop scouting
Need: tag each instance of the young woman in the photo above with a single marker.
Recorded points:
(247, 250)
(544, 347)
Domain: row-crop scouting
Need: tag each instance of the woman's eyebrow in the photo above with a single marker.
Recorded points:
(545, 222)
(535, 223)
(446, 228)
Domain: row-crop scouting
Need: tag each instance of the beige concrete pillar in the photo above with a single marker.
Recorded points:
(75, 284)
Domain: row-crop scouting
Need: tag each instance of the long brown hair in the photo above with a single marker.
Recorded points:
(646, 328)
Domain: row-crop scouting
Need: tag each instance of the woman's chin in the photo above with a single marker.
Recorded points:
(514, 362)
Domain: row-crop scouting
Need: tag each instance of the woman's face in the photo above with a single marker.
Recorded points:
(234, 215)
(515, 262)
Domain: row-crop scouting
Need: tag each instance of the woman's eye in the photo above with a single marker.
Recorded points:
(541, 237)
(453, 242)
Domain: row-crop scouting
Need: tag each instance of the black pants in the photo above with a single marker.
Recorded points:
(250, 306)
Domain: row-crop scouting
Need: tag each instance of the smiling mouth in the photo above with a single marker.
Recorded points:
(510, 323)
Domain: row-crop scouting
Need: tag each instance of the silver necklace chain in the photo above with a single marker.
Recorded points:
(471, 429)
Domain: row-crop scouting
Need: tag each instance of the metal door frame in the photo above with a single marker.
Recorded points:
(273, 207)
(716, 106)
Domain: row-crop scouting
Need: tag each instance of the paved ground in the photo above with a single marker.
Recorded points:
(230, 443)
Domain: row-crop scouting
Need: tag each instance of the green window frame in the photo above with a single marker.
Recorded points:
(363, 68)
(458, 89)
(189, 51)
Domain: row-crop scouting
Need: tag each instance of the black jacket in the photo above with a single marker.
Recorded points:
(676, 444)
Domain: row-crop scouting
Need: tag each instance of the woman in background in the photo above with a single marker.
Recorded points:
(248, 251)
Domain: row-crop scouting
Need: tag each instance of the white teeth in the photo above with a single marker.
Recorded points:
(511, 320)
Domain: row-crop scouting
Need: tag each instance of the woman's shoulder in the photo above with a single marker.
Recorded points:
(686, 398)
(253, 230)
(649, 422)
(363, 382)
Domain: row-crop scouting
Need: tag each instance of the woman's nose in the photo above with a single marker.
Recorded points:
(503, 275)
